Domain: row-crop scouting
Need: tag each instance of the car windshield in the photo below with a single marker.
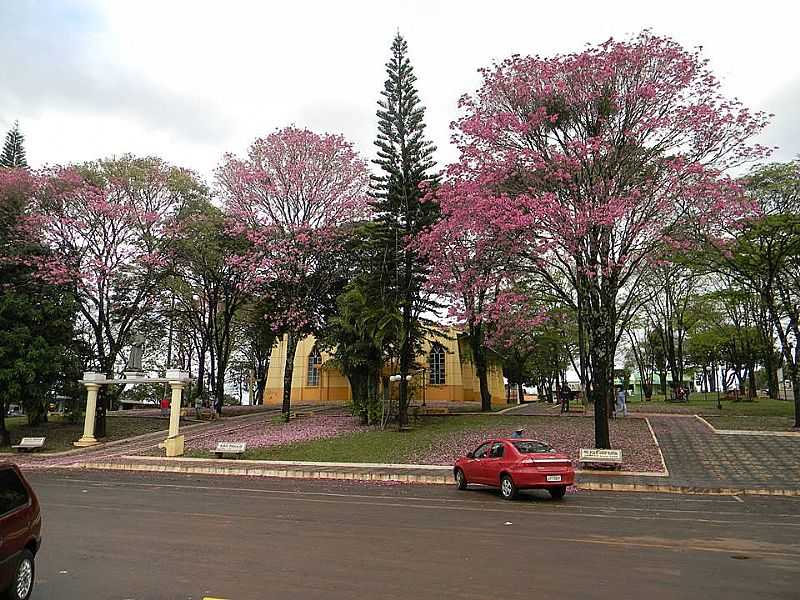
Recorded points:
(532, 447)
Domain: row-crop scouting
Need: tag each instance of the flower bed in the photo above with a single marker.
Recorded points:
(567, 435)
(276, 433)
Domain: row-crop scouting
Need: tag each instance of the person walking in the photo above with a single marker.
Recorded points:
(164, 407)
(622, 406)
(198, 406)
(565, 398)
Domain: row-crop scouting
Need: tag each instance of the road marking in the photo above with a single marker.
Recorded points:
(739, 499)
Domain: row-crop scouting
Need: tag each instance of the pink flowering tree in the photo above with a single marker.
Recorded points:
(294, 196)
(108, 228)
(472, 251)
(608, 151)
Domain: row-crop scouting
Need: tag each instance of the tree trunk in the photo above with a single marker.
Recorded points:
(479, 356)
(219, 388)
(201, 370)
(288, 370)
(602, 372)
(406, 348)
(751, 380)
(5, 437)
(103, 398)
(262, 368)
(794, 377)
(772, 373)
(520, 393)
(601, 328)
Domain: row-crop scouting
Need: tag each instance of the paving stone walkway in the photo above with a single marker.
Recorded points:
(696, 457)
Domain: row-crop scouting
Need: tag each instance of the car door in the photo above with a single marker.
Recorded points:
(473, 468)
(493, 464)
(14, 502)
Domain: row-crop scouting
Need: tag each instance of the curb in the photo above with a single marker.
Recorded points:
(132, 458)
(687, 490)
(291, 463)
(270, 472)
(658, 446)
(432, 479)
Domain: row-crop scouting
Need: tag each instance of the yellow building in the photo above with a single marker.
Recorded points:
(447, 372)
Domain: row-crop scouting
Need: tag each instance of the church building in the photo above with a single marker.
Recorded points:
(444, 373)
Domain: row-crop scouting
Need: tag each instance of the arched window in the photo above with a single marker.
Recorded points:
(436, 365)
(314, 361)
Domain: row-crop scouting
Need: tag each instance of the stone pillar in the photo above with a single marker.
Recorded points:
(92, 388)
(174, 442)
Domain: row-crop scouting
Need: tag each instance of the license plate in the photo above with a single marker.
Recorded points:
(554, 478)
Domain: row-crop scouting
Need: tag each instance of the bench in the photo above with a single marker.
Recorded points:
(234, 448)
(600, 457)
(29, 444)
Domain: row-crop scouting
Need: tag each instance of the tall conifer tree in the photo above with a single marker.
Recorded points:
(405, 157)
(13, 155)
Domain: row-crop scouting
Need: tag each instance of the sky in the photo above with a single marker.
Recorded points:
(191, 80)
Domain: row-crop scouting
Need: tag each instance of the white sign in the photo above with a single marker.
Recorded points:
(231, 447)
(600, 454)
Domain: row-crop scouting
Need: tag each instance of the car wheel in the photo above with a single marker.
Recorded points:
(557, 493)
(507, 488)
(461, 481)
(22, 583)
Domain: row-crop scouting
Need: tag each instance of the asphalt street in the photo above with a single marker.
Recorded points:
(145, 536)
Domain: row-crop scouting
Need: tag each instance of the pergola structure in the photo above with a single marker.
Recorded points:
(177, 381)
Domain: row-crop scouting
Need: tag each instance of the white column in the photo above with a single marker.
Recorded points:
(88, 438)
(175, 407)
(174, 442)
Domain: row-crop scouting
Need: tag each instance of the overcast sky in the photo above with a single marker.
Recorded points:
(190, 80)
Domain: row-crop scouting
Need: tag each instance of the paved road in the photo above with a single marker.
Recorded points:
(137, 536)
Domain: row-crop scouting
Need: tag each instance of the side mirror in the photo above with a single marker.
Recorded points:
(470, 455)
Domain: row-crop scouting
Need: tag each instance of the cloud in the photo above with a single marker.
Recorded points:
(784, 130)
(55, 58)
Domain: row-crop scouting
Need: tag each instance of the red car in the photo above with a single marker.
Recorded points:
(20, 534)
(514, 464)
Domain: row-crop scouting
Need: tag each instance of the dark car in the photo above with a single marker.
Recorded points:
(20, 534)
(513, 464)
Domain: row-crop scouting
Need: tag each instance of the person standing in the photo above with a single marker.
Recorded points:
(198, 406)
(622, 406)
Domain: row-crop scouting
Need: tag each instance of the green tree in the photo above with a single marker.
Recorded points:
(13, 155)
(405, 158)
(209, 285)
(36, 319)
(762, 255)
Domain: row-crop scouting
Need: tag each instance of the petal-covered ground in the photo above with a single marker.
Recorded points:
(565, 434)
(434, 440)
(276, 433)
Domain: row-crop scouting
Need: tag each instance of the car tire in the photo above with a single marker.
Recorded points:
(461, 480)
(21, 586)
(507, 488)
(557, 493)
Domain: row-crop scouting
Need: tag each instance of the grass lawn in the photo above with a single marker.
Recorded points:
(60, 434)
(706, 404)
(440, 440)
(753, 423)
